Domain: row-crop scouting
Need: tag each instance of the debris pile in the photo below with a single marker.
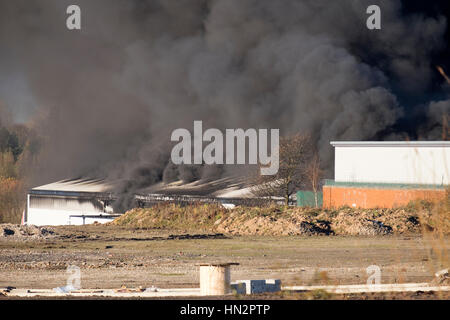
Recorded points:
(313, 221)
(15, 231)
(124, 289)
(441, 278)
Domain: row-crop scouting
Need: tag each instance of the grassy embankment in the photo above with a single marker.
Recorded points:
(418, 217)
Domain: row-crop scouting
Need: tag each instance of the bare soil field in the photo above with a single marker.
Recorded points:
(111, 256)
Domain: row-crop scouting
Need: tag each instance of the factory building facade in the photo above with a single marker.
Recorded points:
(70, 202)
(387, 174)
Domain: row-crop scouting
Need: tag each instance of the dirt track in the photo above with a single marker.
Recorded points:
(112, 256)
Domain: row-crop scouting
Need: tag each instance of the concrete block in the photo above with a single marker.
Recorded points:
(256, 286)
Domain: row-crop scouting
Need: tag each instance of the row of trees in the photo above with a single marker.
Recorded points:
(16, 144)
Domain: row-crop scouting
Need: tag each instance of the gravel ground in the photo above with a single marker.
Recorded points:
(110, 257)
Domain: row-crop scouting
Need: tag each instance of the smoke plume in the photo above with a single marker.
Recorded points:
(107, 97)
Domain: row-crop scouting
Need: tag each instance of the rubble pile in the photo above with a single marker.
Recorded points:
(16, 231)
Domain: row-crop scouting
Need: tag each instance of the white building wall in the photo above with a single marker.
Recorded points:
(48, 217)
(393, 162)
(48, 210)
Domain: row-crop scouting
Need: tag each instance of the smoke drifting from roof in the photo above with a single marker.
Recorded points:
(110, 95)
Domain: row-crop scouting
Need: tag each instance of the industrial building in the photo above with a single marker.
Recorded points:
(367, 175)
(70, 202)
(87, 201)
(387, 174)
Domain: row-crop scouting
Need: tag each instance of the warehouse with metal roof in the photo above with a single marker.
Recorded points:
(70, 202)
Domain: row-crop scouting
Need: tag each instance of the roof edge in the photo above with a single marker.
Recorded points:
(441, 144)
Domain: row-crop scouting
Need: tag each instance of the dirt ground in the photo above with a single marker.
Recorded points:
(112, 256)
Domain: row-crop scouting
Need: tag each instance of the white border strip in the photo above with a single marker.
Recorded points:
(438, 144)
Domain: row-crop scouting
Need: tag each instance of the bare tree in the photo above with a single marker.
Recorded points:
(445, 128)
(294, 155)
(314, 174)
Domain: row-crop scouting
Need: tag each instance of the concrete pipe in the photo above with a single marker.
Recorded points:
(215, 279)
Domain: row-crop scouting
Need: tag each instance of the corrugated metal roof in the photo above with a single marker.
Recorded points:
(226, 187)
(80, 185)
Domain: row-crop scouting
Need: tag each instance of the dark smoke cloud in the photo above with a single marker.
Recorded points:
(437, 113)
(109, 96)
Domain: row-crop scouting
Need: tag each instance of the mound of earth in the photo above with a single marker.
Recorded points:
(241, 225)
(285, 221)
(313, 222)
(16, 231)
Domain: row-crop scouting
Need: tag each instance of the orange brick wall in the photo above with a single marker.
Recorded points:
(335, 197)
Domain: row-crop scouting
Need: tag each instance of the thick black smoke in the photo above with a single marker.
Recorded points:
(108, 97)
